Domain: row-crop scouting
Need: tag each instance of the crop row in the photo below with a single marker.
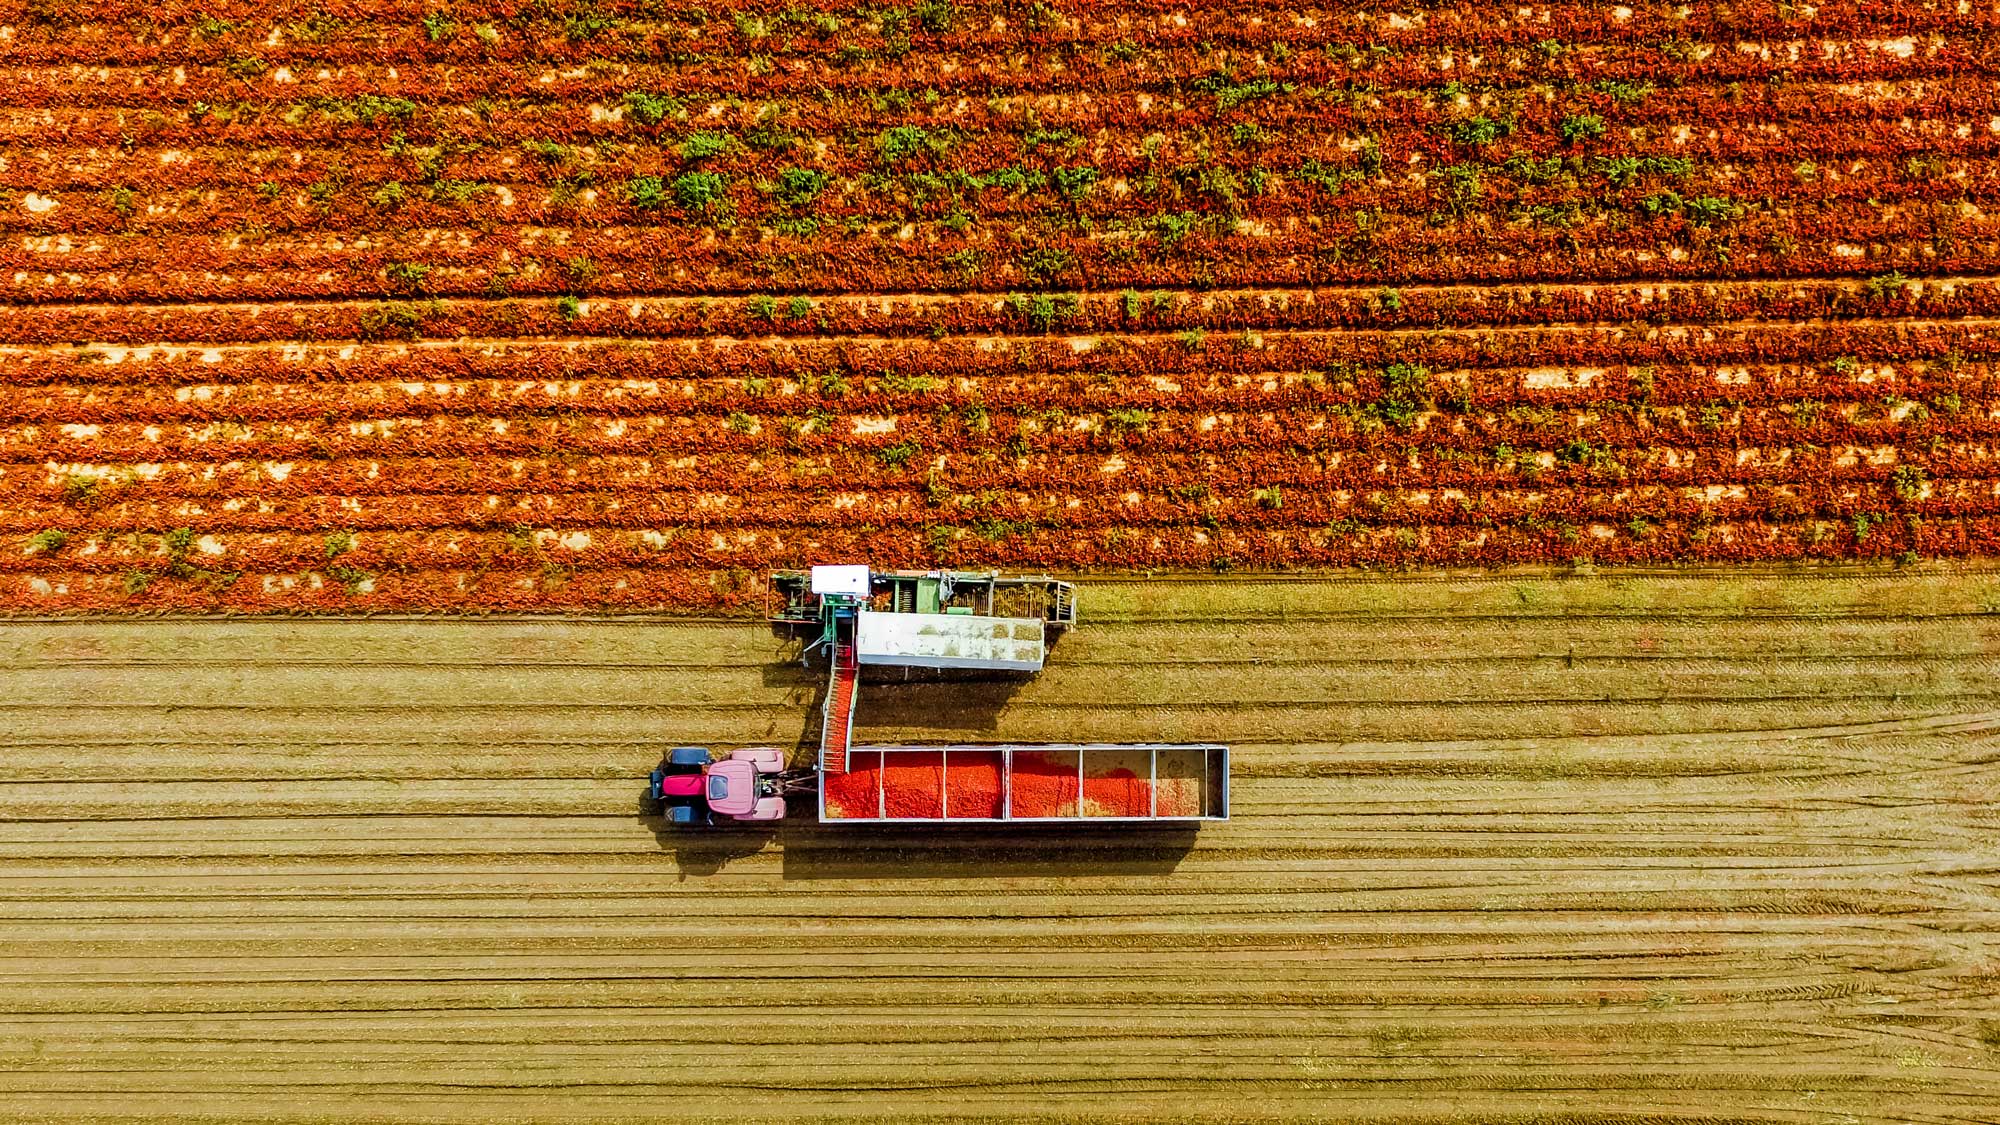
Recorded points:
(1188, 86)
(279, 226)
(1397, 396)
(394, 28)
(173, 191)
(513, 551)
(843, 404)
(1199, 502)
(1283, 253)
(511, 191)
(764, 333)
(1114, 136)
(241, 392)
(390, 297)
(1119, 175)
(1448, 345)
(1317, 451)
(520, 378)
(1197, 62)
(87, 484)
(388, 20)
(513, 570)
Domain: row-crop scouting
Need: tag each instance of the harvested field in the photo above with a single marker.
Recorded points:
(609, 303)
(1706, 847)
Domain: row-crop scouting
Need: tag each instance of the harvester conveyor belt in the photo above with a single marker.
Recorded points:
(837, 727)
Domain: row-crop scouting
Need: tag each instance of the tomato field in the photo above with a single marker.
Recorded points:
(620, 304)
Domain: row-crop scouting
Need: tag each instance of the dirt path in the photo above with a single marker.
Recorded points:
(1719, 847)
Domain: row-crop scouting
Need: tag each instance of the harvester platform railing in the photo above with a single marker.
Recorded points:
(1064, 613)
(837, 726)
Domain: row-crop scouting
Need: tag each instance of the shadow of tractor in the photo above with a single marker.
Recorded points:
(707, 849)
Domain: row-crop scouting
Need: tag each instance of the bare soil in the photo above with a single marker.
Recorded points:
(1715, 847)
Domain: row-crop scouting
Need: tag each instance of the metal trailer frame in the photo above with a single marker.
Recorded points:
(1214, 783)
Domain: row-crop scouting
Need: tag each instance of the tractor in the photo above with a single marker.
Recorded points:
(693, 788)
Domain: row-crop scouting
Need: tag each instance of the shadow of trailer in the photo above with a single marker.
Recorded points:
(987, 850)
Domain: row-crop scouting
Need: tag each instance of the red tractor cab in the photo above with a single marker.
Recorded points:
(693, 788)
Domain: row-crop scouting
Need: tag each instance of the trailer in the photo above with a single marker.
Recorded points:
(943, 622)
(1097, 782)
